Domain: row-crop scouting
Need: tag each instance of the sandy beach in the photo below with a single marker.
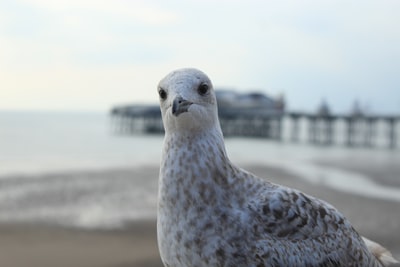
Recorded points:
(135, 244)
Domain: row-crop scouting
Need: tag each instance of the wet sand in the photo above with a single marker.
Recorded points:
(136, 245)
(39, 245)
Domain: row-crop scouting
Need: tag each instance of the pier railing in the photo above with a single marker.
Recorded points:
(348, 130)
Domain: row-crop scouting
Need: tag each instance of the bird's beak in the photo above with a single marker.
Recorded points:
(180, 105)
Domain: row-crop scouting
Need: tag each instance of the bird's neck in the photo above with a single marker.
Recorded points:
(194, 154)
(202, 143)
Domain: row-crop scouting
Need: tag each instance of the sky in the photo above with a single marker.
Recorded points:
(89, 55)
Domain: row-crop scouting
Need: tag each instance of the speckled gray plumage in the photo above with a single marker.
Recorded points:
(212, 213)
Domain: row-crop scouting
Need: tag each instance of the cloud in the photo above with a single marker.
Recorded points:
(137, 10)
(82, 32)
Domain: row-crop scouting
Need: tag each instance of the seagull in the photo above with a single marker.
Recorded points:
(213, 213)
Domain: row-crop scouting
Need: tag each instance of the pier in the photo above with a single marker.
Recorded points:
(325, 130)
(261, 116)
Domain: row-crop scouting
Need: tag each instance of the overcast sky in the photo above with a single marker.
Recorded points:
(92, 54)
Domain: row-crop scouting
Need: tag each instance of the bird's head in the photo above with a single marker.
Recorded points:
(187, 101)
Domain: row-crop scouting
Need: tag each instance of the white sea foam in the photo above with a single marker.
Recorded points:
(342, 180)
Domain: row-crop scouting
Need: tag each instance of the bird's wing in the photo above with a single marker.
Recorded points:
(305, 231)
(288, 213)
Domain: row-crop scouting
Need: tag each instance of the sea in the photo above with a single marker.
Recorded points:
(73, 169)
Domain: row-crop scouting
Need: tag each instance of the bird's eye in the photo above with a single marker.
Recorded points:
(203, 89)
(162, 93)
